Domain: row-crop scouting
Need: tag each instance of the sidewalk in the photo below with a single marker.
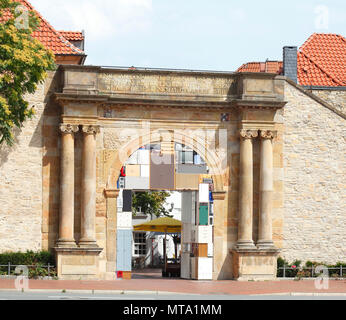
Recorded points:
(145, 283)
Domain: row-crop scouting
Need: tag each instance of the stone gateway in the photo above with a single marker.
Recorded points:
(275, 154)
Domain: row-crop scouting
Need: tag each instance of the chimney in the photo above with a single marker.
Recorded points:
(290, 63)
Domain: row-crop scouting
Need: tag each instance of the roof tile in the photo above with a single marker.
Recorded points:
(49, 37)
(321, 61)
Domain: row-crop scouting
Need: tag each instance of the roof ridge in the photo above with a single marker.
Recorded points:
(70, 31)
(307, 41)
(333, 78)
(341, 37)
(53, 29)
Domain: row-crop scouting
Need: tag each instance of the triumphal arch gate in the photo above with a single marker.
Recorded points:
(233, 121)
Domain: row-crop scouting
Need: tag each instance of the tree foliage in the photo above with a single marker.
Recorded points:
(23, 65)
(151, 203)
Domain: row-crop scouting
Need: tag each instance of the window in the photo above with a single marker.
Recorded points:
(140, 243)
(185, 155)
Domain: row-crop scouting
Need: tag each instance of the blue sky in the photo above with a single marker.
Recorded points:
(192, 34)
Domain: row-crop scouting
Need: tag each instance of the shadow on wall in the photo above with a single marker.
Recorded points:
(53, 84)
(226, 272)
(5, 150)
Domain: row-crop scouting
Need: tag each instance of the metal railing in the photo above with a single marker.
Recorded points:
(289, 272)
(50, 268)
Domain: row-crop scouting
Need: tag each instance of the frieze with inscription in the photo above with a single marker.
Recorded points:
(165, 84)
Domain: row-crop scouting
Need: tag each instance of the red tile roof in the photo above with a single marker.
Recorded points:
(268, 66)
(72, 35)
(321, 62)
(49, 37)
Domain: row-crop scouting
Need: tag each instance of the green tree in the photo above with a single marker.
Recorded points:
(24, 62)
(151, 203)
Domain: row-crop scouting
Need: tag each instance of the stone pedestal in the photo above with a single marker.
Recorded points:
(254, 264)
(78, 263)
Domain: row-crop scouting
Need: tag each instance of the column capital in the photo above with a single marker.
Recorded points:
(91, 129)
(111, 193)
(248, 134)
(68, 128)
(219, 195)
(268, 134)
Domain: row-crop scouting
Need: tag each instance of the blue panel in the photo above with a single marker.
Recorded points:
(124, 250)
(127, 250)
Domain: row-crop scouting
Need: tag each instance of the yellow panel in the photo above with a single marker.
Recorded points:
(185, 181)
(133, 170)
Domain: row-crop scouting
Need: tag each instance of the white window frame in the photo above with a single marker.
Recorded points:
(144, 251)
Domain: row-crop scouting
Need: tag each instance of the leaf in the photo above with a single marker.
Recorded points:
(24, 62)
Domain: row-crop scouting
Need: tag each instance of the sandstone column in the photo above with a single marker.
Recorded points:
(266, 191)
(88, 195)
(66, 217)
(245, 218)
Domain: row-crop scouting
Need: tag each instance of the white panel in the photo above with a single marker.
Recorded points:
(204, 192)
(137, 183)
(143, 157)
(133, 158)
(124, 220)
(145, 170)
(205, 234)
(210, 249)
(174, 197)
(178, 147)
(120, 199)
(185, 265)
(205, 268)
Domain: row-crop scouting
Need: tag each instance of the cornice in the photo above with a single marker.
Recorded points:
(147, 101)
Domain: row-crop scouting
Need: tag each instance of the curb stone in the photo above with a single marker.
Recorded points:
(91, 291)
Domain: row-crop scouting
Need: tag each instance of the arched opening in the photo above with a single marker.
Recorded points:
(215, 160)
(186, 177)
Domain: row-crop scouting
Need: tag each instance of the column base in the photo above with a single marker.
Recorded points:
(87, 243)
(66, 243)
(266, 245)
(245, 245)
(254, 264)
(78, 263)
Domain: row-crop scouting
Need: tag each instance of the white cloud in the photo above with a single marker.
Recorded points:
(99, 18)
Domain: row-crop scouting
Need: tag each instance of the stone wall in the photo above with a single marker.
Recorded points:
(336, 98)
(21, 183)
(315, 163)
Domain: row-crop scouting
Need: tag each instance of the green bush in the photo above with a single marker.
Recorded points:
(308, 270)
(30, 258)
(27, 258)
